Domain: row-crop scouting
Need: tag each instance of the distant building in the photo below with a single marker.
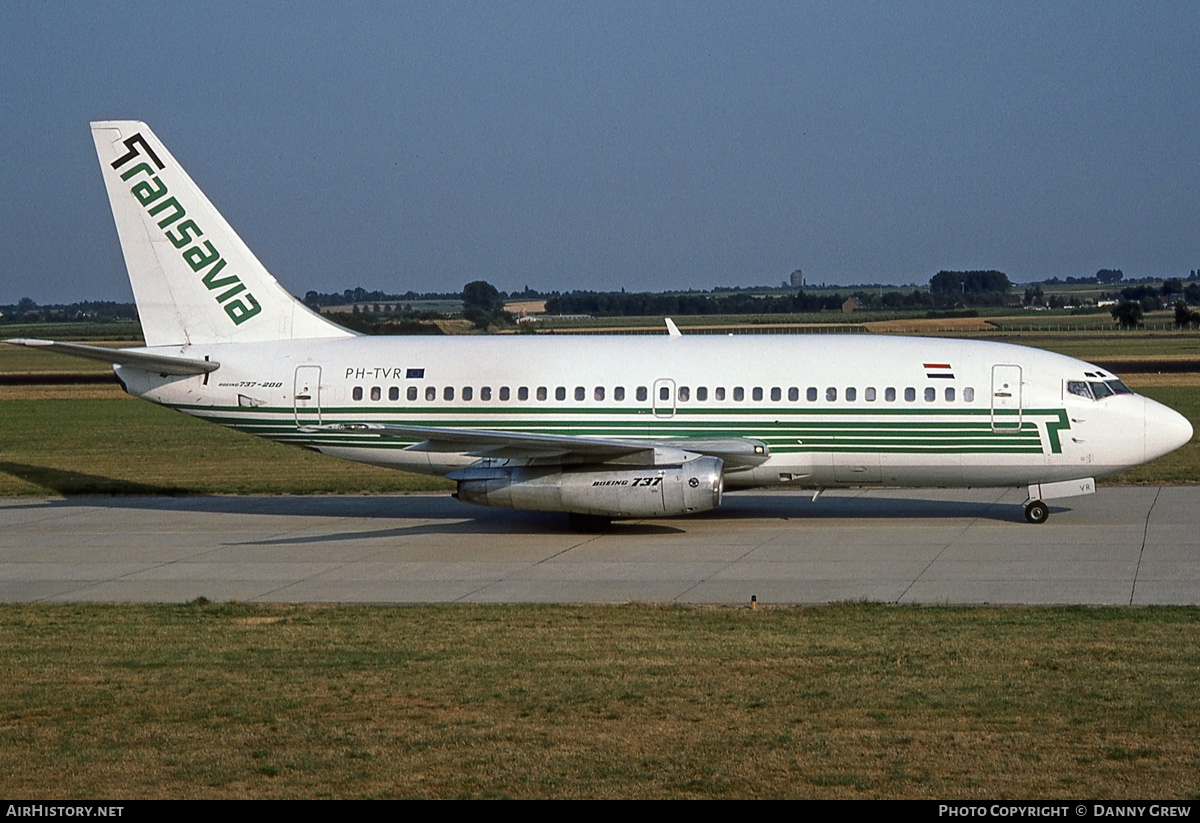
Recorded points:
(537, 318)
(851, 305)
(797, 279)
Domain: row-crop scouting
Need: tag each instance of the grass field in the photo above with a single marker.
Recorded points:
(846, 701)
(112, 443)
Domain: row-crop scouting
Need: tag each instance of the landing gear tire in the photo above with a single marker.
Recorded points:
(588, 523)
(1037, 512)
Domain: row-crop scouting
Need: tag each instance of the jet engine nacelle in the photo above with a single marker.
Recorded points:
(652, 491)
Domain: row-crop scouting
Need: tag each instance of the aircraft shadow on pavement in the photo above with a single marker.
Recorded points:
(450, 516)
(516, 523)
(877, 506)
(66, 482)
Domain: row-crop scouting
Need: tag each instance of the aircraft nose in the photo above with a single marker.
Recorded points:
(1166, 430)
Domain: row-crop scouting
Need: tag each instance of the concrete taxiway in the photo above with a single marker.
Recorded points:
(1124, 545)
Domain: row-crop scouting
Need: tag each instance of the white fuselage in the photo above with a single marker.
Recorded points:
(839, 410)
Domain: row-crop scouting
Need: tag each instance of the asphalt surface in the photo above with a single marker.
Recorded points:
(1126, 545)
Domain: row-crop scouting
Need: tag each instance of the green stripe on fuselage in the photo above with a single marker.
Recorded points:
(884, 430)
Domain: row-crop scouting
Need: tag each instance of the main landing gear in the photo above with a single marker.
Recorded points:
(1037, 512)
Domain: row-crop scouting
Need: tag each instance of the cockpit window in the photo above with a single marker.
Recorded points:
(1097, 390)
(1080, 388)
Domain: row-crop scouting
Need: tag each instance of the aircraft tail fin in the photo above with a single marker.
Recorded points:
(194, 279)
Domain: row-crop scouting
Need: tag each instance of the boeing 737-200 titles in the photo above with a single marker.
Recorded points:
(599, 427)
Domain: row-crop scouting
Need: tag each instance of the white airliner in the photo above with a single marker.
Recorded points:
(600, 427)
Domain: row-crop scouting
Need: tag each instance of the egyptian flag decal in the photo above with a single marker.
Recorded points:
(939, 371)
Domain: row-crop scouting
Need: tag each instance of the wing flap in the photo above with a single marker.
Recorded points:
(735, 451)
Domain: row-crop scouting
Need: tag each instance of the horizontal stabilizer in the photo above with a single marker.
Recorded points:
(158, 363)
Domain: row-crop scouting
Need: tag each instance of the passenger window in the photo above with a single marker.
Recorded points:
(523, 393)
(560, 393)
(411, 393)
(504, 393)
(930, 394)
(664, 393)
(851, 394)
(949, 395)
(910, 394)
(599, 393)
(739, 394)
(701, 393)
(619, 393)
(757, 394)
(793, 394)
(467, 393)
(357, 393)
(430, 393)
(968, 395)
(376, 393)
(448, 393)
(580, 393)
(685, 393)
(542, 394)
(642, 394)
(869, 394)
(889, 394)
(394, 393)
(831, 394)
(719, 393)
(485, 393)
(776, 394)
(811, 394)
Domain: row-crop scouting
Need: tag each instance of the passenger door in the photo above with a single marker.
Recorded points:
(1006, 398)
(306, 396)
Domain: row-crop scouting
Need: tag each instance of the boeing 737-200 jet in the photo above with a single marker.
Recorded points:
(599, 427)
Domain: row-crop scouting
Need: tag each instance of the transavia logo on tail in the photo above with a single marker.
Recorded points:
(151, 192)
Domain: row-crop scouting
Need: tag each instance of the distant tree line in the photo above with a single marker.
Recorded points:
(26, 310)
(948, 290)
(388, 324)
(315, 299)
(615, 304)
(979, 286)
(1155, 298)
(361, 296)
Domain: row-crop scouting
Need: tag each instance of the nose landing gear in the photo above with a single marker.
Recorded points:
(1038, 512)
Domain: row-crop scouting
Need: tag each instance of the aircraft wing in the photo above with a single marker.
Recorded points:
(736, 452)
(159, 363)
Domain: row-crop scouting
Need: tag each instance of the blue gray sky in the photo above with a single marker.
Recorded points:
(600, 145)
